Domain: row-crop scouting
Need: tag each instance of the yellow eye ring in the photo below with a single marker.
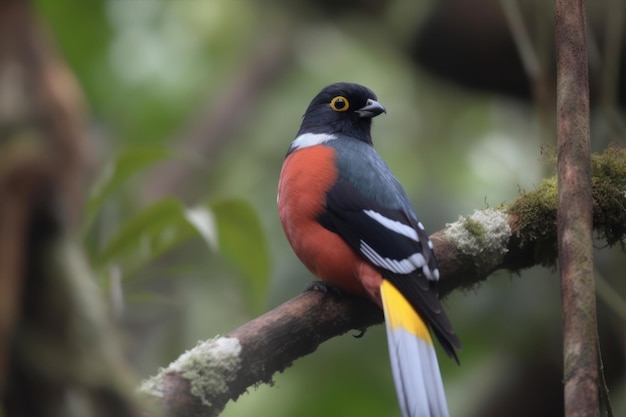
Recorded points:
(339, 103)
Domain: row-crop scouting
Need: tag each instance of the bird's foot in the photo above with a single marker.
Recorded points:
(326, 288)
(323, 287)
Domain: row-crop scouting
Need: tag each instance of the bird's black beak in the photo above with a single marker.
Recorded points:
(371, 109)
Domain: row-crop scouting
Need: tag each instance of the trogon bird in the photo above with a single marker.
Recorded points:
(350, 222)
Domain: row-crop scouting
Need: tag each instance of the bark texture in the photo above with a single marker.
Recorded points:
(575, 208)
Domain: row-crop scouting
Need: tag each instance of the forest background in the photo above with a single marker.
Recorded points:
(193, 104)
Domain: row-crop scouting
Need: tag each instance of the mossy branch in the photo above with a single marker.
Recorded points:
(512, 237)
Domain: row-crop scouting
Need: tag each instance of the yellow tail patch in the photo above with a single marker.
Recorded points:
(400, 314)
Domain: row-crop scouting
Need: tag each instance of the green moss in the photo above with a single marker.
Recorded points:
(474, 229)
(609, 194)
(535, 211)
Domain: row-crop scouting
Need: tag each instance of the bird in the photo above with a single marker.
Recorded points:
(351, 223)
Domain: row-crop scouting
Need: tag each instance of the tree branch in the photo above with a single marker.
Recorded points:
(518, 236)
(202, 380)
(574, 218)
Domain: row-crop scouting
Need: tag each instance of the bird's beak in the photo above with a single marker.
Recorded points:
(371, 109)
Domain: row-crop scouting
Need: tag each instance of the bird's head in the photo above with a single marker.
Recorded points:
(342, 108)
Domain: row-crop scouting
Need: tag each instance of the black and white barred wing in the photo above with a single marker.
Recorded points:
(396, 243)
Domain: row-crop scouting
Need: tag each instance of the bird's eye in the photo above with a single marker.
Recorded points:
(339, 103)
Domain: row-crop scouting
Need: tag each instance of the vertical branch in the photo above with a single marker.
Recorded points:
(574, 216)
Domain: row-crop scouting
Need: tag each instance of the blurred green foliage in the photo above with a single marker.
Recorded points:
(229, 226)
(201, 258)
(113, 176)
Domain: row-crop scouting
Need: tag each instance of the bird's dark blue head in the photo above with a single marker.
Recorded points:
(342, 108)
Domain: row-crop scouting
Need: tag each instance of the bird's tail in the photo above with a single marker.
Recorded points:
(413, 359)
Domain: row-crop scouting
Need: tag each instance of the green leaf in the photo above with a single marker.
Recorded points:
(241, 240)
(231, 227)
(117, 172)
(148, 234)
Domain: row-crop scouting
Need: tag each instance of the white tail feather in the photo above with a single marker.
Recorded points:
(413, 360)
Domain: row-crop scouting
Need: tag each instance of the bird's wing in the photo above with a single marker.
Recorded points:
(394, 241)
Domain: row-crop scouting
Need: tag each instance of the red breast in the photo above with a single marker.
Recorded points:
(306, 177)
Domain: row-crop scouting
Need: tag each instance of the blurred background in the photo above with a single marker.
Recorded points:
(194, 104)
